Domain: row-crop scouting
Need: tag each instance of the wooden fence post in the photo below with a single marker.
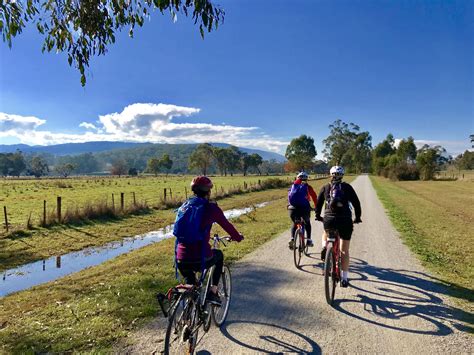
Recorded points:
(58, 262)
(164, 194)
(113, 202)
(6, 218)
(171, 194)
(186, 192)
(121, 201)
(44, 213)
(134, 200)
(58, 208)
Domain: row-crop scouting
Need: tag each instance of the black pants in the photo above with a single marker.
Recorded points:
(295, 214)
(343, 224)
(189, 268)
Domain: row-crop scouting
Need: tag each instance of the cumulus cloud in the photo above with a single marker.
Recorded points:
(15, 124)
(148, 122)
(143, 119)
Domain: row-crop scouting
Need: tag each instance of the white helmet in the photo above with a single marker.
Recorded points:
(337, 171)
(303, 176)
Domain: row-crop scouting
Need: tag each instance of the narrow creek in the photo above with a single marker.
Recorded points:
(55, 267)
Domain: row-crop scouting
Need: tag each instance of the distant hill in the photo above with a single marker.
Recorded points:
(135, 154)
(70, 148)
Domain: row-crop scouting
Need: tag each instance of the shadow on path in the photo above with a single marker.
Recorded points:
(390, 298)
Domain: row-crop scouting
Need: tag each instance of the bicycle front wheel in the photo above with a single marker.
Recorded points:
(298, 249)
(181, 333)
(224, 289)
(329, 275)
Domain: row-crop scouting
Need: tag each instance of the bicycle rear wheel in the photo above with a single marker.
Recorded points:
(181, 335)
(298, 249)
(224, 289)
(329, 275)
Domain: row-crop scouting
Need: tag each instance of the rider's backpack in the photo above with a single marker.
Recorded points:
(187, 226)
(336, 199)
(297, 195)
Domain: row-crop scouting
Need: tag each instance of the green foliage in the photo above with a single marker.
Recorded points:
(465, 161)
(201, 158)
(349, 147)
(301, 152)
(64, 169)
(84, 29)
(12, 164)
(153, 166)
(38, 167)
(250, 161)
(428, 161)
(407, 150)
(119, 167)
(83, 163)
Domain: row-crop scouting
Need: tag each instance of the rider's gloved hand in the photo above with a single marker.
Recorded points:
(238, 239)
(319, 218)
(357, 220)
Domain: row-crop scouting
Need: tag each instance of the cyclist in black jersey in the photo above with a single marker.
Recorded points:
(338, 215)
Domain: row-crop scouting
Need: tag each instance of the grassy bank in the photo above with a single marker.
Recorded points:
(25, 197)
(435, 219)
(92, 309)
(42, 243)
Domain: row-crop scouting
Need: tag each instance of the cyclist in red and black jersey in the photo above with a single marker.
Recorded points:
(303, 210)
(339, 218)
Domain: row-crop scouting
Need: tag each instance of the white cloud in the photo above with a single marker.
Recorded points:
(87, 125)
(15, 124)
(147, 122)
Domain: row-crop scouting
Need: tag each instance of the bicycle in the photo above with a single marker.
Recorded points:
(332, 265)
(188, 309)
(299, 239)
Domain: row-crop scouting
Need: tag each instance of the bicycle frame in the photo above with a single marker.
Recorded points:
(334, 239)
(175, 294)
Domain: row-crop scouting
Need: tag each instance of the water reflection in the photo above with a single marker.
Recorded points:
(32, 274)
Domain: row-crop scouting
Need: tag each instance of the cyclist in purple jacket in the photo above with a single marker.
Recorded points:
(189, 256)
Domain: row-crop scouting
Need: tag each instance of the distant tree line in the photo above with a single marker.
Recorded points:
(350, 147)
(346, 145)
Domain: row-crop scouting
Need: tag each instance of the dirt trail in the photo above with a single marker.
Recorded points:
(393, 305)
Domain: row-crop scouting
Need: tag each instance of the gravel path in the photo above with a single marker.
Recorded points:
(393, 305)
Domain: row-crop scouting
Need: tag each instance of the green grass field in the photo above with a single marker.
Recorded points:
(22, 197)
(435, 219)
(92, 309)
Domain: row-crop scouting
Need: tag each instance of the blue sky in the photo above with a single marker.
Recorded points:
(272, 71)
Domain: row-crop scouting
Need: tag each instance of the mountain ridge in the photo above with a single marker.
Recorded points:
(109, 146)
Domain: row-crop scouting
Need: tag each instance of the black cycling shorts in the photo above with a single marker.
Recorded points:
(343, 225)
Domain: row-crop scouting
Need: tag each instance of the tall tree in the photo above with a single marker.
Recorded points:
(166, 163)
(86, 28)
(153, 166)
(64, 169)
(256, 161)
(407, 150)
(38, 167)
(346, 145)
(221, 155)
(232, 159)
(119, 167)
(301, 152)
(429, 159)
(201, 158)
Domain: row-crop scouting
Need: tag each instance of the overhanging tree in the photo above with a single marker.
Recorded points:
(86, 28)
